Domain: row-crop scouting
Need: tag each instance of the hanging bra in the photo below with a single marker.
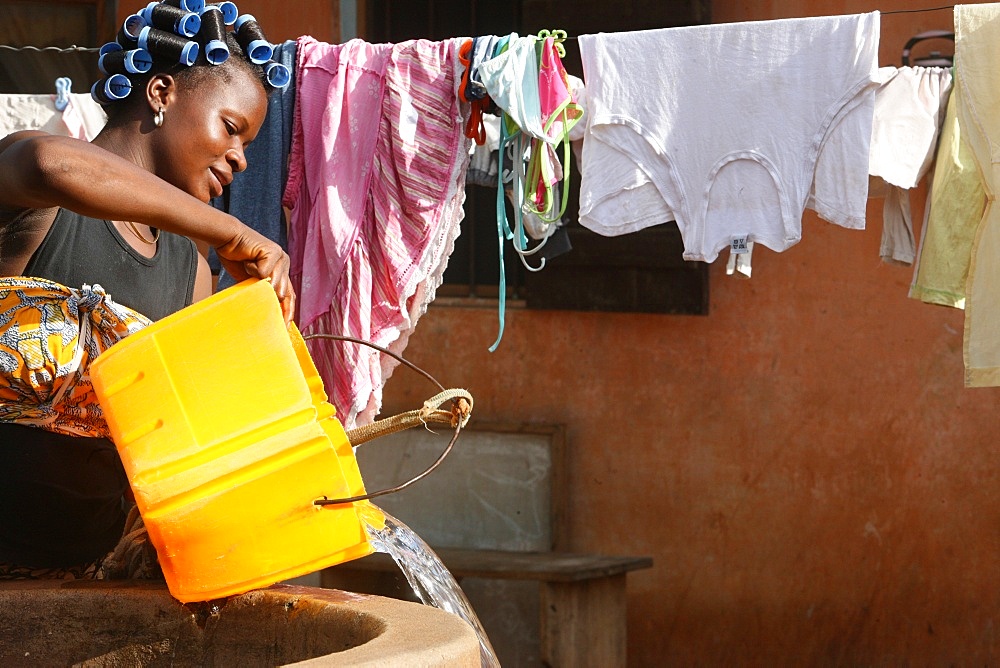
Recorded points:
(514, 79)
(560, 112)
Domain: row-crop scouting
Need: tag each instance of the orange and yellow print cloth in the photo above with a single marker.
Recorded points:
(49, 335)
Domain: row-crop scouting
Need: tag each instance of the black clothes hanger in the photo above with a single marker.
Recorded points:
(934, 58)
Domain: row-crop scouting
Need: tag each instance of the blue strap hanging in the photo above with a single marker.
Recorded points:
(503, 229)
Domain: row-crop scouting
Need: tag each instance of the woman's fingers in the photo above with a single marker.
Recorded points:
(286, 296)
(254, 256)
(282, 285)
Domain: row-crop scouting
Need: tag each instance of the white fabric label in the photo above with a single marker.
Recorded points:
(738, 245)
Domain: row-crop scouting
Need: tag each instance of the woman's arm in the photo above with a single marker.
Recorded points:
(39, 171)
(202, 280)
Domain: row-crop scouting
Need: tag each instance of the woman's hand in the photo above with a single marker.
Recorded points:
(251, 255)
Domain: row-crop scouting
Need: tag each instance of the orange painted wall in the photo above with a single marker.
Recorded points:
(803, 464)
(281, 21)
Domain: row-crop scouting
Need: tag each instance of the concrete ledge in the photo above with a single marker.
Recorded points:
(140, 624)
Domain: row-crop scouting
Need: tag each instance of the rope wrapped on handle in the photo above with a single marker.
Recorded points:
(431, 411)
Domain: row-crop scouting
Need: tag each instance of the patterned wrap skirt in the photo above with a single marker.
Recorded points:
(49, 335)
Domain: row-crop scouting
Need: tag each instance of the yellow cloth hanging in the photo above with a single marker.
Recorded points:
(956, 203)
(977, 31)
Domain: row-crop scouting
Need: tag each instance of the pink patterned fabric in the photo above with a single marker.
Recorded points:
(553, 91)
(376, 187)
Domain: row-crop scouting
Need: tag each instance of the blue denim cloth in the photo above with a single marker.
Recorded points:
(255, 194)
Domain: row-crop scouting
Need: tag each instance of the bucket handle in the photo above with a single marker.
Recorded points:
(458, 417)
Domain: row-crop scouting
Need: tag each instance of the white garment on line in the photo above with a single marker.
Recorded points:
(909, 108)
(897, 227)
(732, 130)
(83, 118)
(512, 82)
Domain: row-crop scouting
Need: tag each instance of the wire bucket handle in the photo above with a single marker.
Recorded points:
(431, 411)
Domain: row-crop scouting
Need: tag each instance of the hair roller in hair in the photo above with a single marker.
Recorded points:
(277, 75)
(109, 47)
(135, 61)
(168, 45)
(230, 12)
(213, 35)
(128, 35)
(171, 19)
(252, 39)
(116, 87)
(187, 5)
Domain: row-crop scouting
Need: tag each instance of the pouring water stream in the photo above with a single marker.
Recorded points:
(432, 582)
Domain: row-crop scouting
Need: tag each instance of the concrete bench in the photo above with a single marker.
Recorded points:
(583, 597)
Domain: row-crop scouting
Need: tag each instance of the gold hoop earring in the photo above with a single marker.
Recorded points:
(158, 118)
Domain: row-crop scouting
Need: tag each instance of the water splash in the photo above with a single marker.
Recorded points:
(432, 582)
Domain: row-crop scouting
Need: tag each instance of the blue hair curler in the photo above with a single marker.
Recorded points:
(173, 19)
(277, 75)
(187, 5)
(230, 12)
(136, 61)
(116, 87)
(109, 47)
(251, 38)
(145, 12)
(213, 35)
(188, 25)
(216, 52)
(129, 32)
(169, 45)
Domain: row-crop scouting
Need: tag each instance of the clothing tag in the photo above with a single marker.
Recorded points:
(738, 245)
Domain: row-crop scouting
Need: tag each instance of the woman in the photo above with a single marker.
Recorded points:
(120, 212)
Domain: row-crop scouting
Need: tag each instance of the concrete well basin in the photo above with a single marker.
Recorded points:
(49, 623)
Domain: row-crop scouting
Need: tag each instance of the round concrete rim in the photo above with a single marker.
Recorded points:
(409, 634)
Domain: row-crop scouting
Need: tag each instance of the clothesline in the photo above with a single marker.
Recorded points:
(893, 11)
(915, 11)
(82, 49)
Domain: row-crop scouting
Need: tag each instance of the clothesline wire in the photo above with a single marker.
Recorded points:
(86, 49)
(914, 11)
(894, 11)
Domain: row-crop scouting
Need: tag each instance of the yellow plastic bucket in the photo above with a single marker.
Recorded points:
(225, 433)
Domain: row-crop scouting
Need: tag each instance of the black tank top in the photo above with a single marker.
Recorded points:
(61, 497)
(79, 250)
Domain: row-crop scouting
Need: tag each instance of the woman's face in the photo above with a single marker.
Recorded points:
(206, 126)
